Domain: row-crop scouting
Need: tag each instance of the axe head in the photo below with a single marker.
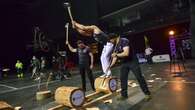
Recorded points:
(66, 4)
(67, 24)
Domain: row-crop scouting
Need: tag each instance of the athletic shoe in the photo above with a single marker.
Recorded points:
(104, 75)
(66, 77)
(107, 76)
(18, 75)
(147, 97)
(38, 78)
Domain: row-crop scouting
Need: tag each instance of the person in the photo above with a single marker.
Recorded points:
(148, 53)
(43, 65)
(125, 53)
(62, 73)
(19, 69)
(85, 64)
(102, 38)
(54, 67)
(35, 63)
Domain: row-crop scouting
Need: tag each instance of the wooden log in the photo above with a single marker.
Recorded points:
(106, 85)
(70, 96)
(41, 95)
(5, 106)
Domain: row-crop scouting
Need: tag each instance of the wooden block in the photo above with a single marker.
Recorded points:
(92, 94)
(5, 106)
(58, 107)
(106, 85)
(43, 95)
(18, 108)
(70, 96)
(108, 101)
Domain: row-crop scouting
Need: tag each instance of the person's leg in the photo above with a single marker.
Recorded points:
(91, 78)
(33, 72)
(105, 58)
(150, 59)
(102, 58)
(140, 78)
(21, 73)
(124, 80)
(18, 72)
(82, 72)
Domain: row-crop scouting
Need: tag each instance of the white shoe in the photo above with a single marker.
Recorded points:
(108, 75)
(104, 75)
(38, 78)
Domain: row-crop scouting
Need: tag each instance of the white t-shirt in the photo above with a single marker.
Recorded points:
(148, 51)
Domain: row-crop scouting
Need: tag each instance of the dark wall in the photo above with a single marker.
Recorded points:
(109, 6)
(85, 11)
(193, 27)
(19, 17)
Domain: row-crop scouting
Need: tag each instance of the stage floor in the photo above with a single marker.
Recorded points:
(168, 92)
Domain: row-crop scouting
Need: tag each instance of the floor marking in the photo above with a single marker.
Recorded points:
(187, 82)
(8, 86)
(34, 85)
(25, 87)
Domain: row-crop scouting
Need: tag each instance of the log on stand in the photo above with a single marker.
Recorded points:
(70, 96)
(106, 85)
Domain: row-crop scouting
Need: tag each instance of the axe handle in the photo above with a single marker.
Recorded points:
(70, 14)
(67, 33)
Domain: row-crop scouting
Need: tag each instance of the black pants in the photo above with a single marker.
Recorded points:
(19, 70)
(86, 70)
(149, 59)
(135, 68)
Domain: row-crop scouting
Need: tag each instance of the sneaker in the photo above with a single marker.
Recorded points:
(104, 75)
(66, 77)
(18, 75)
(38, 78)
(107, 76)
(147, 97)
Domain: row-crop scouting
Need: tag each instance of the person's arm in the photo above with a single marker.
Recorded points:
(71, 48)
(125, 53)
(92, 59)
(86, 30)
(113, 62)
(84, 33)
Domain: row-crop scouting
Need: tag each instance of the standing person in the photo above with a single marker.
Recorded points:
(85, 64)
(19, 69)
(61, 68)
(148, 53)
(35, 63)
(125, 53)
(54, 67)
(43, 64)
(102, 38)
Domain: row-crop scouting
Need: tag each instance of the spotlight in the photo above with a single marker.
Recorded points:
(171, 32)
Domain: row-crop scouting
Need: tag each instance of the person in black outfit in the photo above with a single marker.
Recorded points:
(85, 66)
(124, 52)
